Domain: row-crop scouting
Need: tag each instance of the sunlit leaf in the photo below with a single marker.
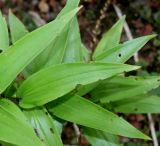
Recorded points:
(85, 53)
(4, 38)
(125, 51)
(54, 82)
(121, 87)
(44, 126)
(138, 104)
(110, 39)
(14, 126)
(100, 138)
(27, 48)
(66, 47)
(17, 28)
(83, 112)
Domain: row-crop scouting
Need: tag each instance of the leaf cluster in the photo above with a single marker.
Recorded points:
(48, 73)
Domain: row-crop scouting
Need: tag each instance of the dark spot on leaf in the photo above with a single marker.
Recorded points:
(42, 140)
(51, 130)
(125, 72)
(56, 103)
(136, 79)
(36, 131)
(136, 109)
(158, 80)
(0, 51)
(46, 113)
(120, 55)
(111, 120)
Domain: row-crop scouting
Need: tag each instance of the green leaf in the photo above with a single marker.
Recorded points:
(85, 53)
(54, 82)
(139, 104)
(66, 47)
(44, 126)
(73, 50)
(17, 28)
(14, 126)
(18, 56)
(83, 112)
(6, 144)
(84, 89)
(121, 87)
(123, 52)
(110, 39)
(100, 138)
(70, 5)
(4, 38)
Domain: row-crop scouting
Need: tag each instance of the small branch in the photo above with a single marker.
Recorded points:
(77, 131)
(136, 59)
(155, 141)
(36, 18)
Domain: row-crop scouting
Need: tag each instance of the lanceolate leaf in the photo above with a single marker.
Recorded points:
(4, 38)
(73, 51)
(66, 47)
(100, 138)
(27, 48)
(83, 112)
(110, 39)
(121, 87)
(83, 90)
(44, 126)
(17, 28)
(85, 53)
(54, 82)
(123, 52)
(71, 4)
(138, 104)
(14, 127)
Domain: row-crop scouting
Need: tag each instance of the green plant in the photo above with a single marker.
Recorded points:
(44, 75)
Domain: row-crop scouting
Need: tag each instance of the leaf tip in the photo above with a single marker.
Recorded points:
(136, 67)
(153, 36)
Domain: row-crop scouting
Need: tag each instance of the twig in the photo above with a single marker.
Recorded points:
(155, 141)
(77, 131)
(36, 18)
(136, 59)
